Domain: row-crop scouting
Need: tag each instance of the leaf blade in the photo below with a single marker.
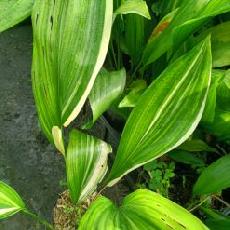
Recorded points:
(10, 201)
(159, 125)
(86, 164)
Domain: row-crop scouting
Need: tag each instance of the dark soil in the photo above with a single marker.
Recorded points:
(27, 161)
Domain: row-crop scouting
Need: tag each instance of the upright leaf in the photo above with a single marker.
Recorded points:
(10, 201)
(142, 209)
(14, 11)
(107, 88)
(167, 113)
(190, 16)
(86, 164)
(70, 44)
(215, 177)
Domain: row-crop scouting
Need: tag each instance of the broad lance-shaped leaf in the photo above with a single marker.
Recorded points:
(190, 16)
(107, 88)
(14, 11)
(167, 113)
(86, 164)
(133, 6)
(142, 209)
(215, 177)
(10, 201)
(70, 44)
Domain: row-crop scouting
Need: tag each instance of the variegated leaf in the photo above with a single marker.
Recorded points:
(70, 44)
(86, 164)
(10, 201)
(167, 113)
(142, 209)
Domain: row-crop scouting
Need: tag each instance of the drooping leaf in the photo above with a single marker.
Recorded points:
(186, 157)
(86, 164)
(10, 201)
(133, 6)
(215, 177)
(142, 209)
(196, 145)
(190, 16)
(167, 113)
(107, 88)
(70, 44)
(216, 220)
(137, 88)
(14, 11)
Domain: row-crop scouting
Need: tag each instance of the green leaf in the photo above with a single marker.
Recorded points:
(221, 45)
(141, 209)
(210, 107)
(133, 6)
(10, 201)
(70, 44)
(134, 36)
(107, 88)
(86, 164)
(214, 178)
(220, 124)
(14, 11)
(215, 220)
(167, 113)
(196, 145)
(186, 157)
(136, 89)
(190, 16)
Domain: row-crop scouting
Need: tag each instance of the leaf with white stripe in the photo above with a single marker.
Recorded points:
(167, 113)
(10, 201)
(14, 11)
(107, 88)
(70, 44)
(190, 16)
(142, 209)
(86, 164)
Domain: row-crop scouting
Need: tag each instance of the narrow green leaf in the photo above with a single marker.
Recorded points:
(167, 113)
(185, 157)
(142, 209)
(196, 145)
(10, 201)
(215, 177)
(133, 6)
(14, 11)
(210, 107)
(107, 88)
(70, 44)
(190, 16)
(86, 164)
(134, 36)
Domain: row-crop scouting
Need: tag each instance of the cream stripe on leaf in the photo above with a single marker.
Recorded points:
(167, 113)
(70, 44)
(142, 209)
(86, 164)
(10, 201)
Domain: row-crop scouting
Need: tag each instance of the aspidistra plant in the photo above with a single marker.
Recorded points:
(71, 41)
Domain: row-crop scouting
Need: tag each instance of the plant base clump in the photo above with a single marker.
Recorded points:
(66, 216)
